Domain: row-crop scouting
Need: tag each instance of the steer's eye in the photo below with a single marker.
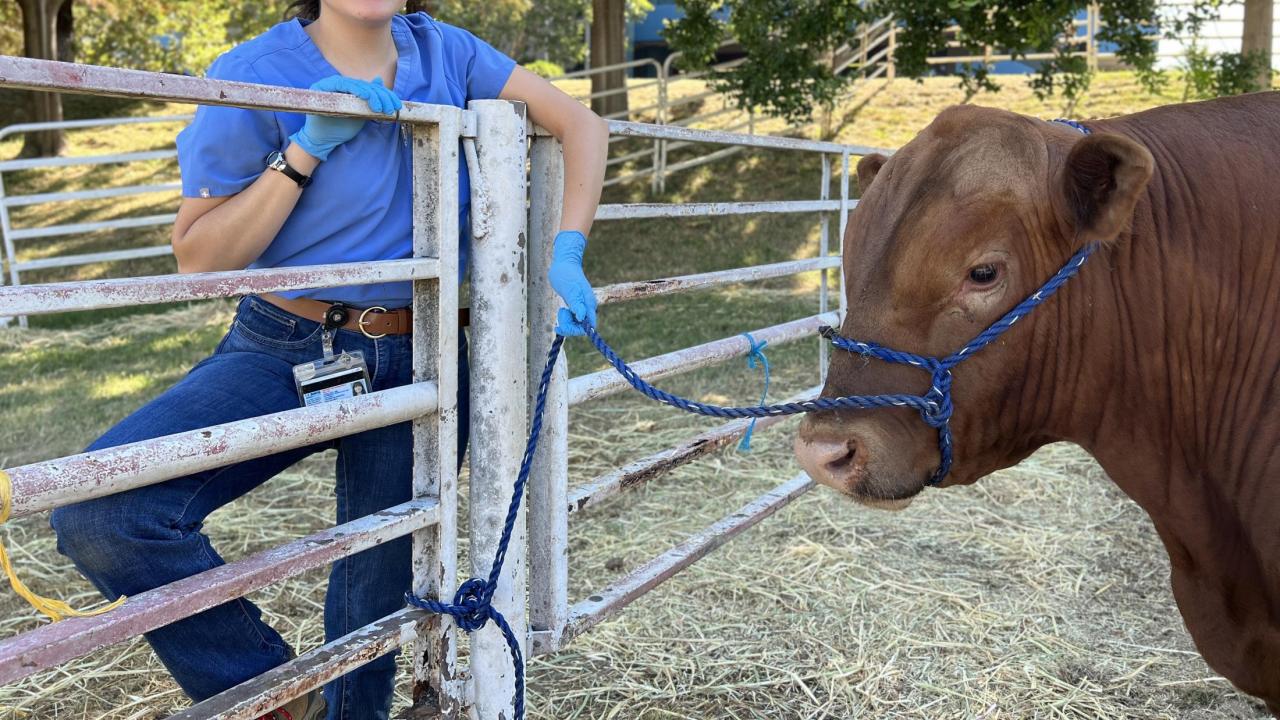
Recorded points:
(983, 274)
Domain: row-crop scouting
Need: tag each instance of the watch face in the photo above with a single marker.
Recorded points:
(276, 160)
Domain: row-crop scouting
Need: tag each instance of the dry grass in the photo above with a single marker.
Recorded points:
(1041, 592)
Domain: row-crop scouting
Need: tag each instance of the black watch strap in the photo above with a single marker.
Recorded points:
(276, 161)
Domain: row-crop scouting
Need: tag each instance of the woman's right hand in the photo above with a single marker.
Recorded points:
(322, 133)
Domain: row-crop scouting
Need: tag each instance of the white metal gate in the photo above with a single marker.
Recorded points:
(511, 300)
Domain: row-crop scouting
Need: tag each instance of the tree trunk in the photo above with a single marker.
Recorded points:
(1258, 16)
(609, 47)
(40, 25)
(65, 33)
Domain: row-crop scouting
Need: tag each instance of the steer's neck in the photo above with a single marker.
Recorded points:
(1177, 382)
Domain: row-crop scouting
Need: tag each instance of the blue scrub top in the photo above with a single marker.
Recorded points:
(359, 203)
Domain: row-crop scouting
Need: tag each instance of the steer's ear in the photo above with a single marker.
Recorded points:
(1103, 178)
(868, 166)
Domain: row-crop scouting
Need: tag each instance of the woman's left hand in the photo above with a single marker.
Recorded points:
(570, 283)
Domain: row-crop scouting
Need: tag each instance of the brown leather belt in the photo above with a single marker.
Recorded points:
(374, 322)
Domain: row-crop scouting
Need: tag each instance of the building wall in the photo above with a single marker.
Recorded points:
(1222, 35)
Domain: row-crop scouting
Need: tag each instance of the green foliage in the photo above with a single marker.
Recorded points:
(544, 68)
(166, 35)
(1209, 75)
(788, 73)
(10, 28)
(553, 30)
(500, 22)
(788, 44)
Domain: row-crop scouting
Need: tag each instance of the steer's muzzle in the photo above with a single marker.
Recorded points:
(855, 457)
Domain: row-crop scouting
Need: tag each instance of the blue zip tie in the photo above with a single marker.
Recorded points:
(754, 358)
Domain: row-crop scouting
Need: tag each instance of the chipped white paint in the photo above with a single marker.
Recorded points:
(49, 484)
(125, 292)
(498, 387)
(436, 690)
(549, 477)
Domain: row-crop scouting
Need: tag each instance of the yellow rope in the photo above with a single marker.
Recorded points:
(55, 609)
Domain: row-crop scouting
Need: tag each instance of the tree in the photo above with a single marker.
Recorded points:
(789, 42)
(1258, 18)
(46, 34)
(609, 47)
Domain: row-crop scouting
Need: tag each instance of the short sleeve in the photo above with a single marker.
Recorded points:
(222, 151)
(482, 67)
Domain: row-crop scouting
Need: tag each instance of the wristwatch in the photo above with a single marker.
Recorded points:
(276, 161)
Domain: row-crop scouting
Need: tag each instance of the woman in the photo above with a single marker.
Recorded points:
(331, 190)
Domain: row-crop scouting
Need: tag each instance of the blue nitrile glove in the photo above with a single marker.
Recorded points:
(322, 133)
(571, 284)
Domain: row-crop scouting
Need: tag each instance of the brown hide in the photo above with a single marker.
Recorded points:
(1161, 358)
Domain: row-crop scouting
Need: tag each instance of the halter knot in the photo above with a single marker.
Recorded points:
(940, 408)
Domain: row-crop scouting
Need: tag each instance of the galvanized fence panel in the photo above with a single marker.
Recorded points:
(10, 234)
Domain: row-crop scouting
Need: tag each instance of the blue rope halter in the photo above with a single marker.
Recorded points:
(935, 406)
(472, 606)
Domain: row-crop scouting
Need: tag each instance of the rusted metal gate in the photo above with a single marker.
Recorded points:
(510, 299)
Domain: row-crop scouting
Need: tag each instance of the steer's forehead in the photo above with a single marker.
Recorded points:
(970, 170)
(973, 152)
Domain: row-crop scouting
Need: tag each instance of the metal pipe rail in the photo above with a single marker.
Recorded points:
(76, 160)
(639, 472)
(99, 194)
(101, 294)
(86, 258)
(594, 386)
(625, 291)
(636, 211)
(253, 698)
(610, 600)
(78, 124)
(60, 642)
(57, 76)
(48, 484)
(671, 132)
(79, 228)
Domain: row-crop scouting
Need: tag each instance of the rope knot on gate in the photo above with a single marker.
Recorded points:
(470, 608)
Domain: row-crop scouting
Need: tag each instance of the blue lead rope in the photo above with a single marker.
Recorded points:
(472, 605)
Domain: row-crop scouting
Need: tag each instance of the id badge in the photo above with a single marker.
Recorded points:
(337, 377)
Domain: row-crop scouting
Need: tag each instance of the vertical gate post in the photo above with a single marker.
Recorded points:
(10, 253)
(436, 691)
(843, 224)
(498, 397)
(548, 483)
(824, 251)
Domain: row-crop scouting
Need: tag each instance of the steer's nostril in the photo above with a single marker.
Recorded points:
(837, 463)
(843, 462)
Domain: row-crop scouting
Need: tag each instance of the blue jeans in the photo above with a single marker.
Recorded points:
(140, 539)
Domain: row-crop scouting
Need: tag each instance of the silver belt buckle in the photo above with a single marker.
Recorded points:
(362, 322)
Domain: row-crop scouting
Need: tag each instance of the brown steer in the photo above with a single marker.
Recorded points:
(1161, 358)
